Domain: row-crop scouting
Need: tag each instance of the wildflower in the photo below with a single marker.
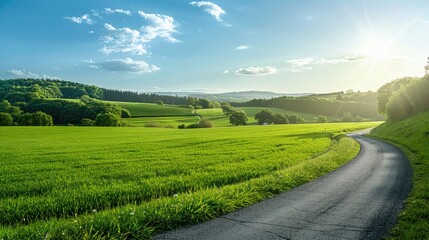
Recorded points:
(94, 210)
(175, 195)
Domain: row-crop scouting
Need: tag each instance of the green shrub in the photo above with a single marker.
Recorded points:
(5, 119)
(125, 113)
(181, 126)
(87, 122)
(205, 123)
(107, 119)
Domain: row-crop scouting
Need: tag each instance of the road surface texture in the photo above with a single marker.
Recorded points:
(360, 200)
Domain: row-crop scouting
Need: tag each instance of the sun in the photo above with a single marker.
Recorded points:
(374, 48)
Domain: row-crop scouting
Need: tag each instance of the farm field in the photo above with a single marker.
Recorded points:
(84, 183)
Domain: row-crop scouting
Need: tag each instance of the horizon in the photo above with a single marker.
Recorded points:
(216, 47)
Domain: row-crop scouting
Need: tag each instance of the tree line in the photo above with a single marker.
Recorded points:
(316, 106)
(404, 97)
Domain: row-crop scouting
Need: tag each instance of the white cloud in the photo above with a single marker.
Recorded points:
(26, 74)
(122, 11)
(127, 40)
(84, 19)
(162, 26)
(210, 8)
(225, 72)
(123, 40)
(301, 64)
(243, 47)
(128, 65)
(256, 71)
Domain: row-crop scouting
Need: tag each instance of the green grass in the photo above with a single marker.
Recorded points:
(162, 121)
(251, 112)
(413, 135)
(220, 120)
(153, 110)
(95, 183)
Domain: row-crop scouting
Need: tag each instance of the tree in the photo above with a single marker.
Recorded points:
(238, 118)
(280, 118)
(107, 119)
(227, 109)
(265, 116)
(125, 113)
(321, 119)
(87, 122)
(294, 119)
(35, 119)
(5, 119)
(427, 67)
(159, 102)
(205, 103)
(41, 119)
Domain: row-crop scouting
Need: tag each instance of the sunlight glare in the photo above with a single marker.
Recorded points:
(374, 49)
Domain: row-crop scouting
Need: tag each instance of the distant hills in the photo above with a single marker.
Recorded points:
(241, 96)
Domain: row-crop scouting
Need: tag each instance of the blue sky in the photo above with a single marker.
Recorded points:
(215, 46)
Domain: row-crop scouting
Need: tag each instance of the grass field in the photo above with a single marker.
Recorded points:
(153, 110)
(413, 134)
(220, 120)
(95, 183)
(173, 115)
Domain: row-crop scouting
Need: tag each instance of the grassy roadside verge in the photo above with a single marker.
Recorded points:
(143, 221)
(412, 137)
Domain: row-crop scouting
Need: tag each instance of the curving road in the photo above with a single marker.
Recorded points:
(357, 201)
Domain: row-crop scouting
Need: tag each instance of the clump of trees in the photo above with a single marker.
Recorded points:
(404, 97)
(35, 119)
(266, 116)
(107, 119)
(5, 119)
(238, 118)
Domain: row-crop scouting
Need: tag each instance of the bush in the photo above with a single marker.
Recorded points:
(181, 126)
(125, 113)
(87, 122)
(193, 125)
(159, 102)
(35, 119)
(205, 123)
(107, 119)
(5, 119)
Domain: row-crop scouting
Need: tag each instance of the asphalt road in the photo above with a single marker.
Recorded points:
(357, 201)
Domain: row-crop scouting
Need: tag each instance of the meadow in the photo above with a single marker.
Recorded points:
(412, 136)
(96, 182)
(172, 115)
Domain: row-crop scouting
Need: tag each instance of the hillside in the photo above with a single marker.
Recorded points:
(153, 110)
(354, 105)
(413, 134)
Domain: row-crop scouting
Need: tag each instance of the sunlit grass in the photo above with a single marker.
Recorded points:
(413, 134)
(132, 182)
